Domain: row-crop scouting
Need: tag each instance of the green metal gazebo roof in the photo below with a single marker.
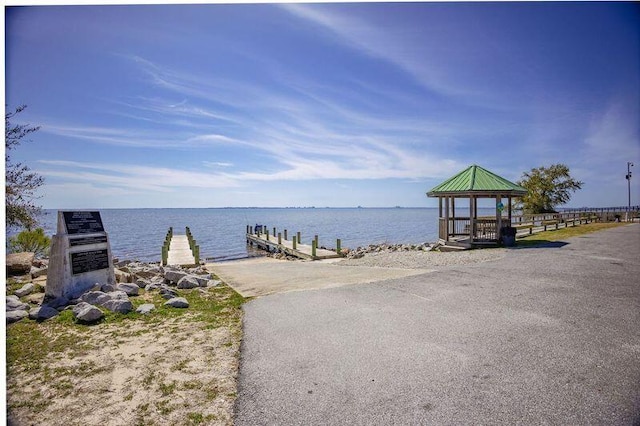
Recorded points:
(476, 180)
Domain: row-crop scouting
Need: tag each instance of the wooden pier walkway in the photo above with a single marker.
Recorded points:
(302, 251)
(180, 252)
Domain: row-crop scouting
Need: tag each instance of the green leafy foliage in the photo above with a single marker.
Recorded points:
(548, 188)
(20, 182)
(34, 241)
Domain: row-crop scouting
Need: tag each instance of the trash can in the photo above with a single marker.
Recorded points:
(508, 235)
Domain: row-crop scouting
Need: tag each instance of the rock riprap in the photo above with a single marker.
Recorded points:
(91, 306)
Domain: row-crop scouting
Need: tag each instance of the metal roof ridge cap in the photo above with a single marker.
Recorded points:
(473, 177)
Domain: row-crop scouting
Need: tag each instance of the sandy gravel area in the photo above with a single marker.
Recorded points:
(174, 374)
(424, 259)
(171, 370)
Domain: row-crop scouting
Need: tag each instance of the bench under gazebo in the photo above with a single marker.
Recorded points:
(471, 231)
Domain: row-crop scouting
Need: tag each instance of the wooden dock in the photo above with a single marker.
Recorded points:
(291, 247)
(180, 250)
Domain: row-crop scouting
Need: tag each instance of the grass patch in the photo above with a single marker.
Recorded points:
(30, 343)
(13, 285)
(549, 236)
(167, 389)
(199, 418)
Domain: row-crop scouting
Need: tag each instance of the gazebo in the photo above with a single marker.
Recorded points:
(472, 231)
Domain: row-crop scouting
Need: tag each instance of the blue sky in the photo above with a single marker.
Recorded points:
(336, 105)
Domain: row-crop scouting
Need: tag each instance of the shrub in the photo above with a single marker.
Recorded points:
(34, 241)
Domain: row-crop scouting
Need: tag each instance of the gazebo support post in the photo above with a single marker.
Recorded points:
(472, 219)
(446, 217)
(498, 217)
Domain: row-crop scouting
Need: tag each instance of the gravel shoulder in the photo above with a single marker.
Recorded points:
(424, 259)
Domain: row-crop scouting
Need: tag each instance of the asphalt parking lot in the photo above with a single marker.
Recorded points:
(545, 335)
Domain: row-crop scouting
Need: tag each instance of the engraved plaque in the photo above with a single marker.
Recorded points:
(83, 222)
(82, 241)
(87, 261)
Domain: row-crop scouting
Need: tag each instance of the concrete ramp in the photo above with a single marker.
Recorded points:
(262, 276)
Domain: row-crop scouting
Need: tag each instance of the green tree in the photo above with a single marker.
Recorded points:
(548, 187)
(20, 182)
(34, 241)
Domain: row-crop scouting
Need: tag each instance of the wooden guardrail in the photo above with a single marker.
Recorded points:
(165, 246)
(195, 248)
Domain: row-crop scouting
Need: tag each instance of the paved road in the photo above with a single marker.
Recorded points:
(542, 336)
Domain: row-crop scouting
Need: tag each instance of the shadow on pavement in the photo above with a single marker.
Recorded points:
(536, 244)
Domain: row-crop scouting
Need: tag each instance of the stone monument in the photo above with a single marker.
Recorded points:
(80, 255)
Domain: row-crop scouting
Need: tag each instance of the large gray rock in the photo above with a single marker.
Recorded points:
(85, 312)
(129, 288)
(152, 286)
(202, 280)
(189, 281)
(42, 313)
(19, 263)
(177, 302)
(119, 305)
(145, 308)
(108, 288)
(95, 297)
(25, 290)
(15, 304)
(168, 293)
(142, 282)
(119, 294)
(174, 276)
(38, 272)
(14, 316)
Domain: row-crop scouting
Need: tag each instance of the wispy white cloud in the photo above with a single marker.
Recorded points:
(390, 45)
(131, 137)
(157, 179)
(305, 133)
(216, 164)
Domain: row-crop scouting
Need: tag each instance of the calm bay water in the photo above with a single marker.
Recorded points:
(139, 233)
